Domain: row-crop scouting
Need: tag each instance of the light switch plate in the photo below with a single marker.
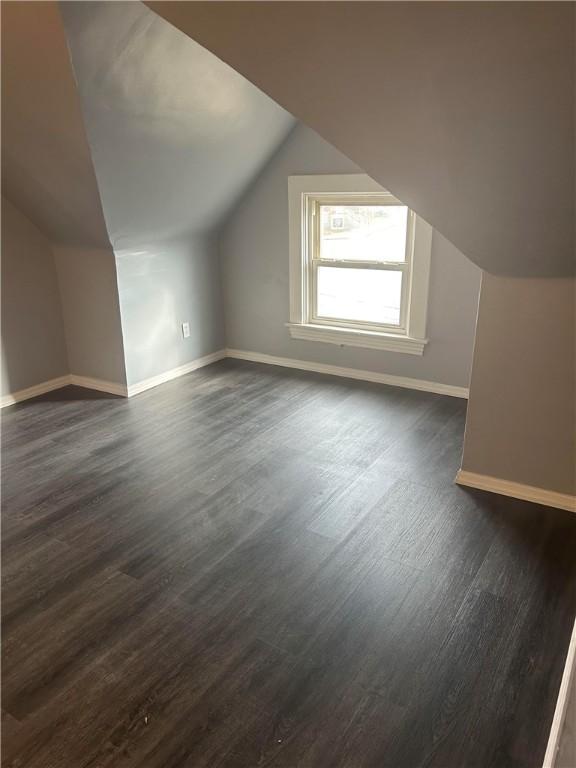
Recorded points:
(186, 330)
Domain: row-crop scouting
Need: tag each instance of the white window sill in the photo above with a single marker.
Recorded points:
(349, 337)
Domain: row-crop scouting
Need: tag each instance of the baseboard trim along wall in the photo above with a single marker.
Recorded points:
(239, 354)
(174, 373)
(109, 386)
(99, 385)
(351, 373)
(561, 704)
(37, 389)
(63, 381)
(517, 490)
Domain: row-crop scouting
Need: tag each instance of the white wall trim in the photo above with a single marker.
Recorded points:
(37, 389)
(304, 194)
(351, 337)
(256, 357)
(298, 188)
(351, 373)
(110, 386)
(63, 381)
(517, 490)
(99, 385)
(174, 373)
(561, 704)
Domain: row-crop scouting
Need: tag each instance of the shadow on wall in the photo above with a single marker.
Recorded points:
(5, 371)
(60, 311)
(33, 342)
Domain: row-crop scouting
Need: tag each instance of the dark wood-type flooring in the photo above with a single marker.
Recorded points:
(251, 566)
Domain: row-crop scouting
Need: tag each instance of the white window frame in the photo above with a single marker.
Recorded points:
(305, 194)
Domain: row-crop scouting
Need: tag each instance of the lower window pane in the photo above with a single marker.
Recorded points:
(369, 295)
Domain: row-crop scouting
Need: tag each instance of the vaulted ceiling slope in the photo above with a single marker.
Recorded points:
(176, 134)
(47, 168)
(464, 110)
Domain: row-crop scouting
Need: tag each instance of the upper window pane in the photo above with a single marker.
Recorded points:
(363, 232)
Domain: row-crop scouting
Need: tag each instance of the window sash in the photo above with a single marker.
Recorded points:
(314, 261)
(318, 319)
(394, 266)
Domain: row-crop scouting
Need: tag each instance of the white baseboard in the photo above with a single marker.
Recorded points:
(351, 373)
(555, 737)
(174, 373)
(517, 490)
(37, 389)
(256, 357)
(110, 386)
(63, 381)
(99, 385)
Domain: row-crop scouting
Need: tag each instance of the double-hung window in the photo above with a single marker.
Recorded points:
(359, 264)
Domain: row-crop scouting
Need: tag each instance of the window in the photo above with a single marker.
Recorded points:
(359, 265)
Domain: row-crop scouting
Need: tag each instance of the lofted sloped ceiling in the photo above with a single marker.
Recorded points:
(176, 134)
(47, 169)
(464, 110)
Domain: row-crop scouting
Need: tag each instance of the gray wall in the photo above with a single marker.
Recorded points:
(465, 111)
(175, 133)
(33, 344)
(521, 413)
(47, 168)
(89, 293)
(176, 137)
(161, 286)
(47, 172)
(254, 253)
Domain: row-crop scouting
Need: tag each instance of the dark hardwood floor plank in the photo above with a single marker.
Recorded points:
(403, 658)
(184, 551)
(354, 572)
(137, 686)
(430, 452)
(44, 653)
(256, 577)
(346, 509)
(254, 566)
(285, 484)
(438, 728)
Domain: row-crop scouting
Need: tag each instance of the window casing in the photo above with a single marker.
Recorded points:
(314, 257)
(317, 261)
